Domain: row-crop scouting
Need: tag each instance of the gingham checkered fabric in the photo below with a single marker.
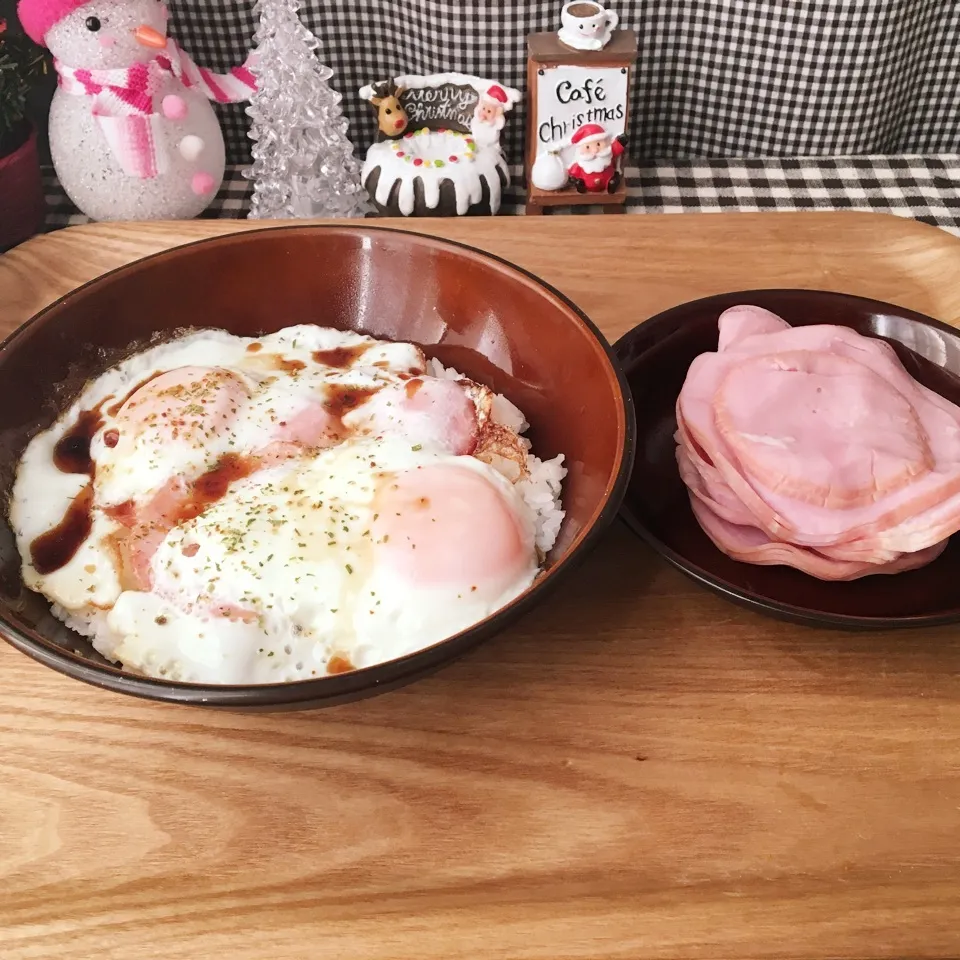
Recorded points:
(714, 78)
(925, 188)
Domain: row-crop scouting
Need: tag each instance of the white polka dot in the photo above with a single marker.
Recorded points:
(191, 147)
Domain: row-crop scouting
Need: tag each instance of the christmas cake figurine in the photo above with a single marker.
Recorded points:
(132, 133)
(437, 151)
(596, 167)
(489, 116)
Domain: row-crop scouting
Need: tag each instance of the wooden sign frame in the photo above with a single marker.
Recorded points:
(544, 50)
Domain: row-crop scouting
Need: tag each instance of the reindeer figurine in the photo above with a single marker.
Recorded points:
(391, 117)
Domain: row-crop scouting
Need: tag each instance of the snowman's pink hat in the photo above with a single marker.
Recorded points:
(38, 16)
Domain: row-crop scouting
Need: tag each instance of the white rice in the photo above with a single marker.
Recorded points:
(541, 488)
(92, 625)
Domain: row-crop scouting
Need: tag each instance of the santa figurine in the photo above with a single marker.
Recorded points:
(595, 169)
(488, 116)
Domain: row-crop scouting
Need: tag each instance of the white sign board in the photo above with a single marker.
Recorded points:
(568, 97)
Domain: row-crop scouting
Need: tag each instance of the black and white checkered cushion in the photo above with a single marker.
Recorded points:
(715, 78)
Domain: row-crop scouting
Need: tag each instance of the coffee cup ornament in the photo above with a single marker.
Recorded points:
(586, 25)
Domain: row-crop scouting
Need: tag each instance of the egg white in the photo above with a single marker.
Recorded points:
(41, 494)
(294, 545)
(137, 466)
(307, 574)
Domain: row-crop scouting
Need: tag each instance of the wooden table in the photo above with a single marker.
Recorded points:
(638, 769)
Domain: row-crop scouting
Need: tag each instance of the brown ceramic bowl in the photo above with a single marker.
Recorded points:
(656, 356)
(493, 321)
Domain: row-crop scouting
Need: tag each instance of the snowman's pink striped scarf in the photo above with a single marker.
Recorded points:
(123, 102)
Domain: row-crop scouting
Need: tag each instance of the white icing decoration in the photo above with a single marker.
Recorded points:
(416, 82)
(467, 175)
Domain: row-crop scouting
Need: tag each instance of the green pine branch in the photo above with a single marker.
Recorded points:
(22, 62)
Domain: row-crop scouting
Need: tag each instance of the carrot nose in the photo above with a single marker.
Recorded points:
(148, 37)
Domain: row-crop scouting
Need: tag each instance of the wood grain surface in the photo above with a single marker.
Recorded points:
(636, 770)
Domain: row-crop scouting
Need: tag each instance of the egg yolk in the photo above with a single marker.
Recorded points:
(446, 525)
(187, 406)
(190, 404)
(432, 412)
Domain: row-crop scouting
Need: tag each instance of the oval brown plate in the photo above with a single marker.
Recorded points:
(655, 356)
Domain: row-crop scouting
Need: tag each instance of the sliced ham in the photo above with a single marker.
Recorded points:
(817, 437)
(830, 432)
(704, 483)
(751, 545)
(746, 321)
(313, 427)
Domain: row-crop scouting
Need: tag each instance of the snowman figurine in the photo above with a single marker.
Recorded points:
(133, 135)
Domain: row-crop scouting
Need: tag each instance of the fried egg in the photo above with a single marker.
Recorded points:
(234, 510)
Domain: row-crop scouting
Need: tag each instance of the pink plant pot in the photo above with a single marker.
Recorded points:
(21, 194)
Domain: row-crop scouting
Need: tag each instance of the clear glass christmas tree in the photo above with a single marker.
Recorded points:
(303, 162)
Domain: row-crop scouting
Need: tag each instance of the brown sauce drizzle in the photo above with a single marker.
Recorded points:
(124, 513)
(201, 493)
(254, 347)
(412, 387)
(71, 454)
(213, 485)
(57, 547)
(290, 366)
(72, 451)
(341, 357)
(339, 664)
(54, 549)
(116, 408)
(342, 398)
